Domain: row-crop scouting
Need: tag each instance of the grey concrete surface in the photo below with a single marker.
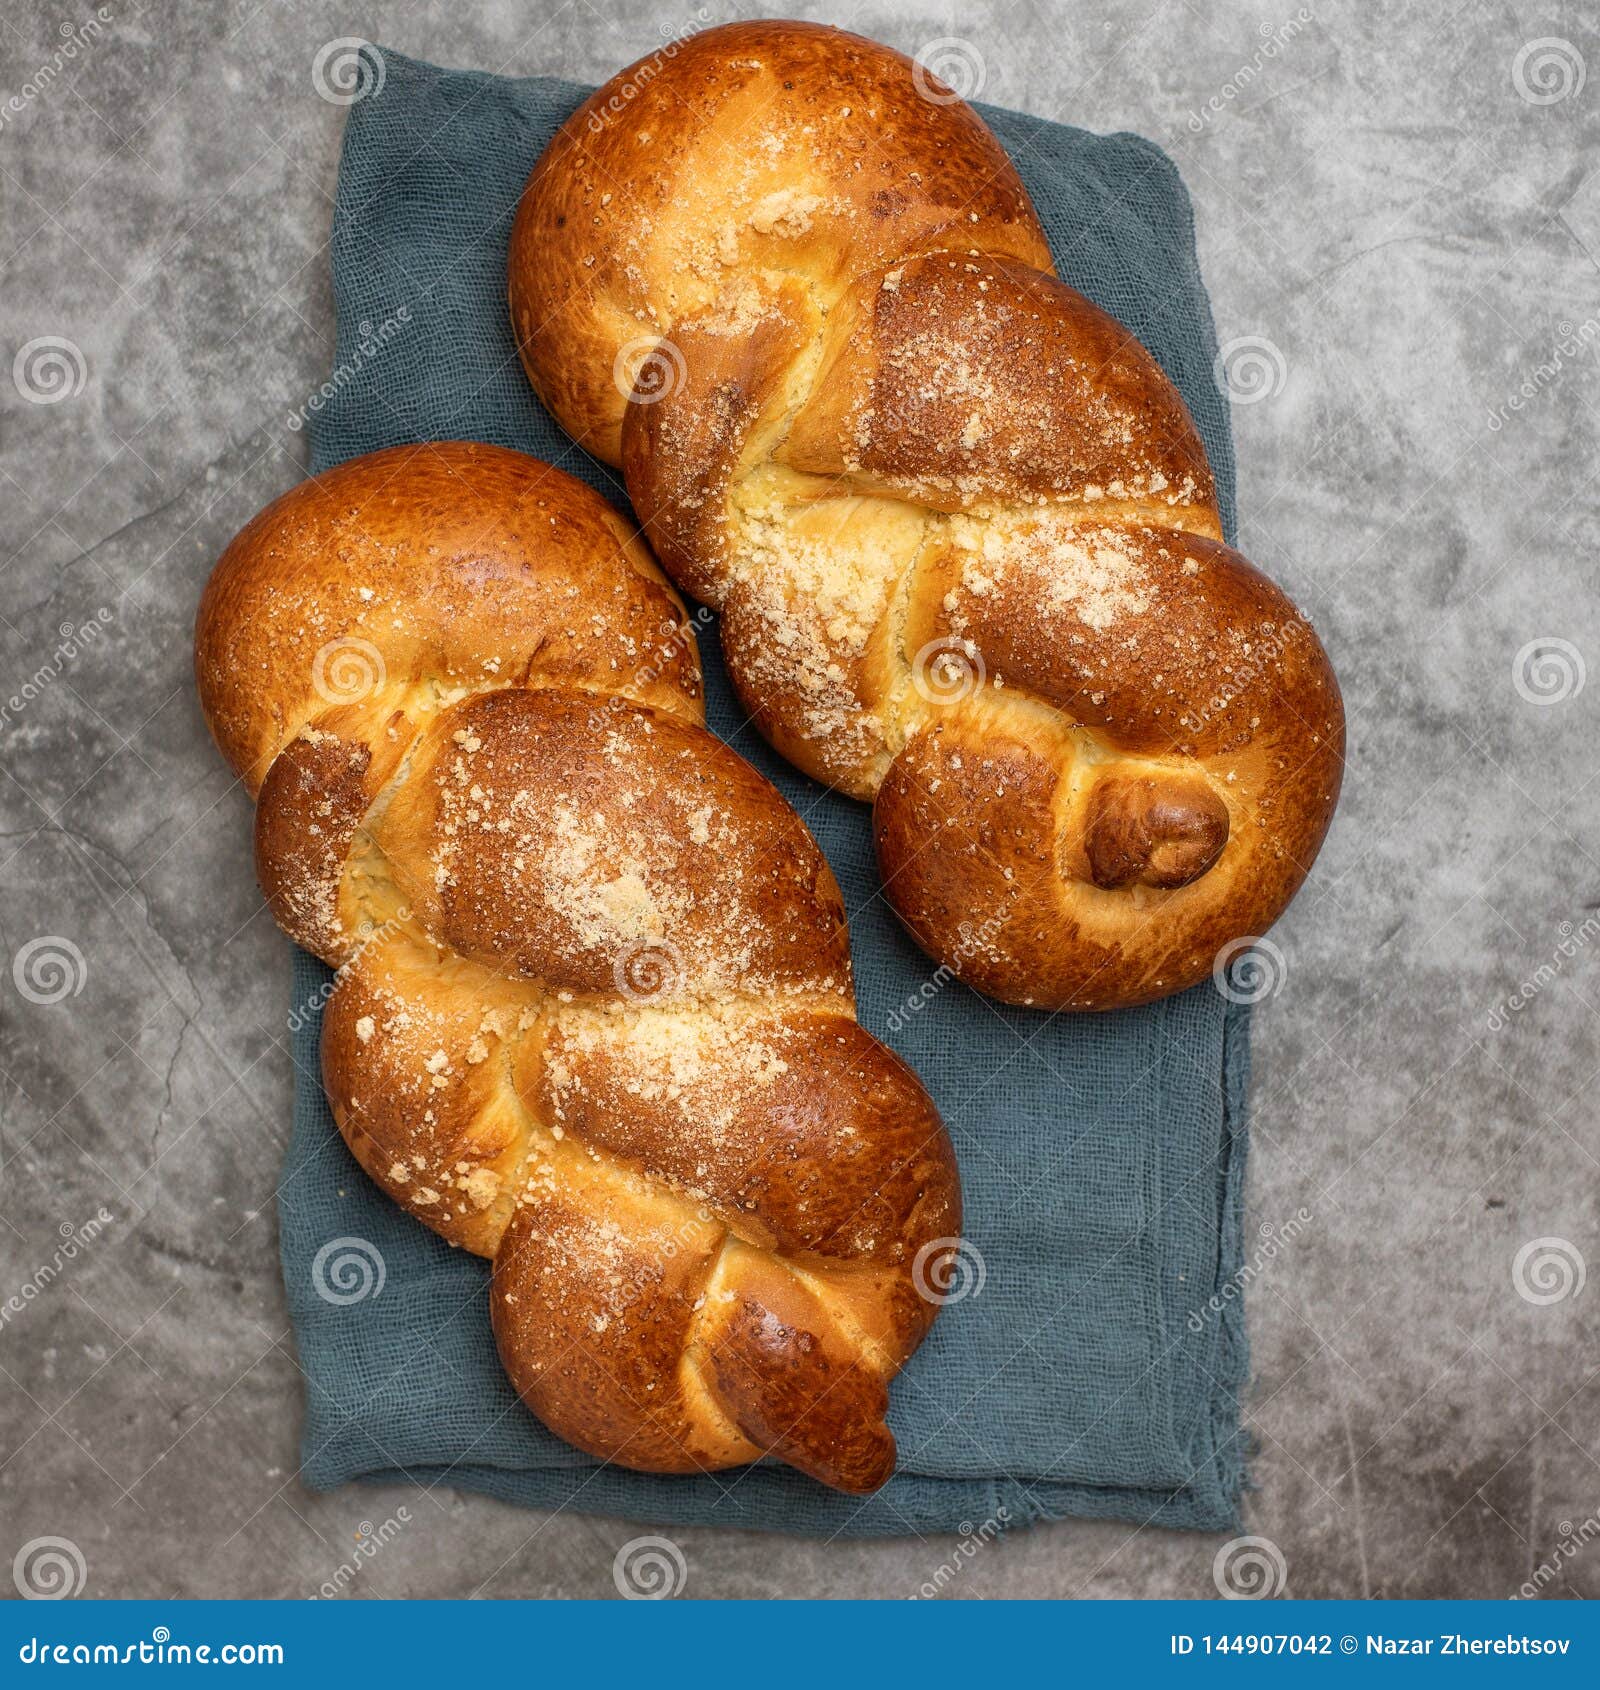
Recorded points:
(1399, 218)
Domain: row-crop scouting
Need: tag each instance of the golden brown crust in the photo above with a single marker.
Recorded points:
(945, 504)
(413, 569)
(593, 1016)
(770, 1368)
(751, 147)
(417, 1051)
(776, 1123)
(609, 852)
(958, 380)
(681, 457)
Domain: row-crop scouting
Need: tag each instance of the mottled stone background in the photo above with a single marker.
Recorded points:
(1399, 217)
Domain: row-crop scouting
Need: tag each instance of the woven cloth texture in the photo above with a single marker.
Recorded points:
(1102, 1157)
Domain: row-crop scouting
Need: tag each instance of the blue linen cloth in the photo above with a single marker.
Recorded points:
(1102, 1157)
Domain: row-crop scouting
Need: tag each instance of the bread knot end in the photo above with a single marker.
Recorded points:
(1154, 832)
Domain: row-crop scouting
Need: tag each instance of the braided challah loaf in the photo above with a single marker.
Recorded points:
(593, 1016)
(959, 525)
